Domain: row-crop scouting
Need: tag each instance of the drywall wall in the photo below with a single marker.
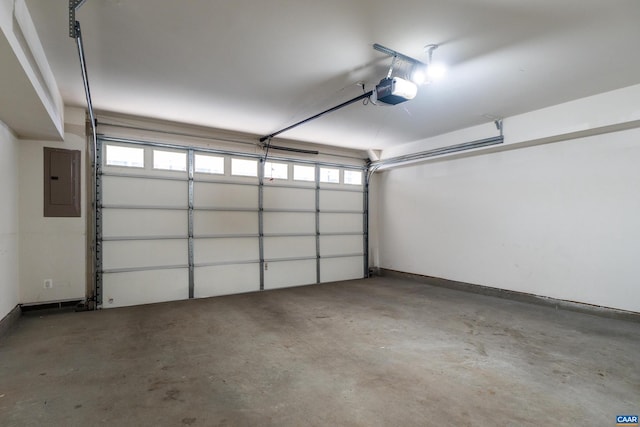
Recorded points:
(558, 219)
(31, 102)
(8, 221)
(601, 113)
(51, 248)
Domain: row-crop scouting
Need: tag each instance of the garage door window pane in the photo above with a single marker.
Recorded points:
(276, 170)
(243, 167)
(169, 160)
(209, 164)
(329, 175)
(125, 156)
(353, 177)
(304, 173)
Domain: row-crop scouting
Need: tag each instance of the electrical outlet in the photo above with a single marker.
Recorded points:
(48, 283)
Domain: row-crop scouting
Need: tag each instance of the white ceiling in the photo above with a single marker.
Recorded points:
(259, 65)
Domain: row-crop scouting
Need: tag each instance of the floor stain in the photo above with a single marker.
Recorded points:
(172, 394)
(480, 348)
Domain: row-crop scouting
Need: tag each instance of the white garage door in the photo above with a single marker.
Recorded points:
(183, 222)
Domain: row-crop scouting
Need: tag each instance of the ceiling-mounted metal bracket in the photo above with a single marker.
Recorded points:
(429, 49)
(74, 5)
(499, 126)
(396, 55)
(393, 64)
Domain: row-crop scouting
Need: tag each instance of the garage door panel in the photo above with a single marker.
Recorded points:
(225, 250)
(216, 195)
(143, 192)
(144, 287)
(335, 269)
(289, 247)
(144, 222)
(341, 200)
(341, 223)
(289, 198)
(341, 245)
(224, 223)
(226, 279)
(289, 222)
(284, 274)
(144, 253)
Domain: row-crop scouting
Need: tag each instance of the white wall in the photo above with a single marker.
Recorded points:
(8, 220)
(560, 219)
(31, 102)
(51, 248)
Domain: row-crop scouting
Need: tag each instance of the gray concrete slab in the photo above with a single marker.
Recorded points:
(375, 352)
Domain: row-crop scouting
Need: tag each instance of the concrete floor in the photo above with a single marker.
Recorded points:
(375, 352)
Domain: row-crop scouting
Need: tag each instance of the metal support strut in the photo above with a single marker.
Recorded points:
(337, 107)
